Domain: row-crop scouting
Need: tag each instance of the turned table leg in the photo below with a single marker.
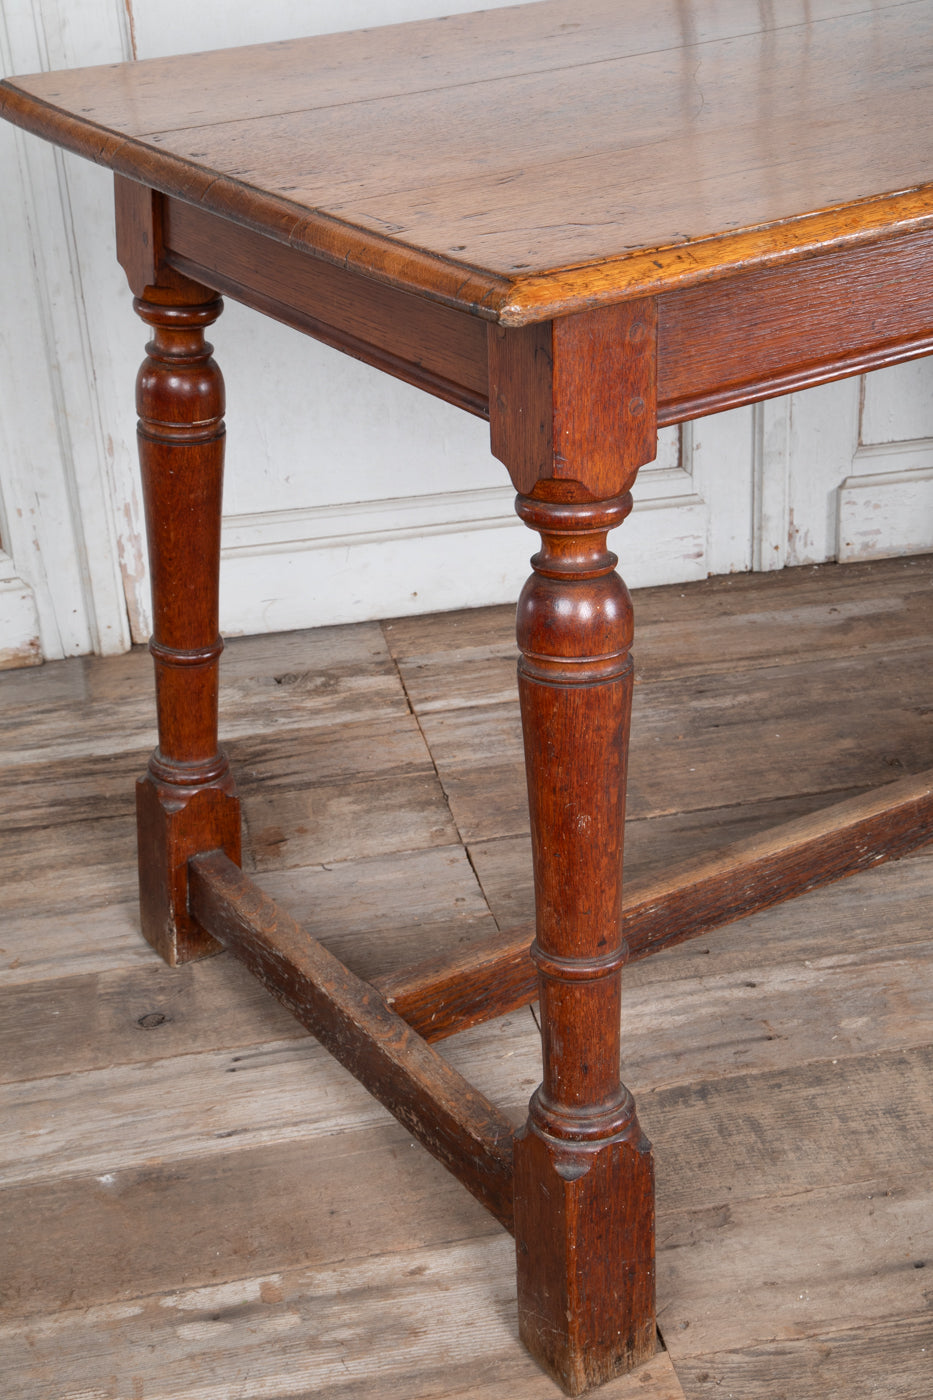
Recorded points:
(584, 1190)
(185, 802)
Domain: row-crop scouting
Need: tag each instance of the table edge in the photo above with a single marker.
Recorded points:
(512, 301)
(321, 235)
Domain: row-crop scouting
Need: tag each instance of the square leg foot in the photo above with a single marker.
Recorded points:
(584, 1235)
(173, 824)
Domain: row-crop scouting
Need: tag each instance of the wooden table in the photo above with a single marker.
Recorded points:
(580, 219)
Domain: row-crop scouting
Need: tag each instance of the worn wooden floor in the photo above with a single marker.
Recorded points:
(197, 1204)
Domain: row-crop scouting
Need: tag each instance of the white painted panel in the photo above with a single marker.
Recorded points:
(116, 341)
(887, 507)
(664, 539)
(54, 483)
(898, 403)
(19, 620)
(35, 497)
(178, 26)
(823, 435)
(309, 427)
(349, 561)
(335, 576)
(770, 473)
(720, 450)
(885, 504)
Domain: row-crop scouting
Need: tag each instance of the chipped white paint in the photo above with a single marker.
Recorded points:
(349, 496)
(886, 513)
(885, 503)
(55, 485)
(770, 471)
(19, 621)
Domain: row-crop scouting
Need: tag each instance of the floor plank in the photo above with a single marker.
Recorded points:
(362, 789)
(834, 728)
(737, 622)
(197, 1202)
(382, 1325)
(314, 1198)
(45, 945)
(310, 1202)
(721, 1024)
(794, 1266)
(884, 1361)
(779, 1133)
(276, 682)
(503, 863)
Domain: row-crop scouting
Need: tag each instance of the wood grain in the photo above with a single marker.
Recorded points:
(271, 684)
(442, 996)
(878, 1105)
(455, 1124)
(584, 1177)
(391, 60)
(626, 188)
(785, 993)
(890, 1357)
(575, 400)
(377, 914)
(140, 230)
(436, 906)
(651, 847)
(786, 328)
(437, 348)
(186, 800)
(356, 1331)
(704, 365)
(378, 767)
(855, 1250)
(296, 1203)
(773, 1060)
(305, 1203)
(769, 868)
(734, 623)
(833, 724)
(804, 1003)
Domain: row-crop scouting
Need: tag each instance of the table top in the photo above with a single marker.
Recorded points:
(528, 162)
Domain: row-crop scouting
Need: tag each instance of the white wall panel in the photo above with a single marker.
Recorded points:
(885, 502)
(178, 26)
(823, 438)
(19, 619)
(55, 484)
(897, 403)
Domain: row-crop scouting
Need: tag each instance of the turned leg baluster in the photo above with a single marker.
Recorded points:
(584, 1211)
(185, 802)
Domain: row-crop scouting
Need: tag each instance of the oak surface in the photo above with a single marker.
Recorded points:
(534, 160)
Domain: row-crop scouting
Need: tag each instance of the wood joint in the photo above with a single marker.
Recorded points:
(445, 995)
(456, 1123)
(575, 400)
(141, 251)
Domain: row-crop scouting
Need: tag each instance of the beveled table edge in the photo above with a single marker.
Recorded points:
(515, 301)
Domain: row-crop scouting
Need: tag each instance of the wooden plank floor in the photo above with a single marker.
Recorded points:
(198, 1204)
